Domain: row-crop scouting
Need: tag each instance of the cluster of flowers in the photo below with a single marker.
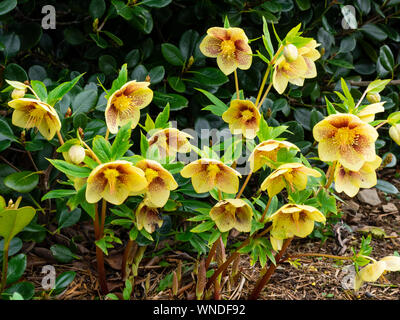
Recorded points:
(346, 139)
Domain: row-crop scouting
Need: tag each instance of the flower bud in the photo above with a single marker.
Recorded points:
(18, 93)
(290, 52)
(77, 154)
(373, 97)
(394, 133)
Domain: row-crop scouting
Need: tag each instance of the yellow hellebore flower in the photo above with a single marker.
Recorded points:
(394, 133)
(230, 47)
(31, 113)
(232, 213)
(160, 182)
(295, 67)
(209, 173)
(267, 151)
(368, 113)
(148, 218)
(373, 271)
(170, 141)
(243, 118)
(350, 182)
(293, 176)
(346, 138)
(124, 104)
(114, 181)
(293, 220)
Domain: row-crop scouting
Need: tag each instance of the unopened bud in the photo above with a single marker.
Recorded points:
(147, 78)
(77, 154)
(95, 24)
(18, 93)
(68, 113)
(190, 62)
(81, 133)
(373, 97)
(290, 53)
(394, 133)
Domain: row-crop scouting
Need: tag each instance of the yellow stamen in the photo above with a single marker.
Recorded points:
(150, 174)
(212, 170)
(228, 47)
(122, 102)
(247, 115)
(111, 175)
(345, 136)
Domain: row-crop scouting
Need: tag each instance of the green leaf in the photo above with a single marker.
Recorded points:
(59, 92)
(121, 142)
(120, 81)
(25, 289)
(16, 268)
(172, 54)
(377, 86)
(7, 5)
(14, 72)
(100, 41)
(217, 102)
(267, 39)
(84, 102)
(144, 144)
(177, 84)
(40, 89)
(62, 253)
(23, 182)
(13, 221)
(162, 118)
(97, 8)
(70, 169)
(156, 3)
(142, 19)
(387, 187)
(303, 4)
(156, 74)
(205, 226)
(6, 132)
(63, 281)
(57, 194)
(68, 218)
(386, 57)
(210, 76)
(341, 63)
(226, 23)
(176, 101)
(374, 32)
(102, 148)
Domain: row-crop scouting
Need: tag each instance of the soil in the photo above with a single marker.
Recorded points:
(310, 278)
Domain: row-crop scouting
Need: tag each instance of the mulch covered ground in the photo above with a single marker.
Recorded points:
(312, 278)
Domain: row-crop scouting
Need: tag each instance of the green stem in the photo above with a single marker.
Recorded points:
(5, 267)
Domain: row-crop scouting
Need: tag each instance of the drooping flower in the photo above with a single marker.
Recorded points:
(148, 218)
(124, 104)
(160, 182)
(114, 181)
(293, 220)
(293, 176)
(170, 141)
(209, 173)
(346, 138)
(367, 114)
(350, 182)
(232, 213)
(374, 270)
(243, 118)
(394, 133)
(31, 113)
(266, 153)
(230, 47)
(294, 66)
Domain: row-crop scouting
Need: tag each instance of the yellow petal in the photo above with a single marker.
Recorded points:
(227, 64)
(227, 181)
(243, 218)
(392, 263)
(202, 182)
(372, 271)
(158, 193)
(347, 181)
(210, 46)
(276, 243)
(279, 81)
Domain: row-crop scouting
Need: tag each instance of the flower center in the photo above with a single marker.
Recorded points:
(212, 170)
(150, 174)
(122, 102)
(246, 115)
(345, 136)
(111, 175)
(35, 117)
(228, 47)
